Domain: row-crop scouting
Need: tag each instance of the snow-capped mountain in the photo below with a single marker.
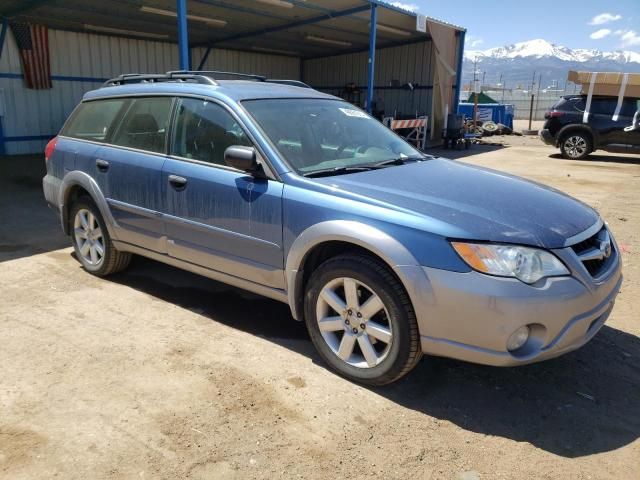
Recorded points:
(515, 65)
(541, 48)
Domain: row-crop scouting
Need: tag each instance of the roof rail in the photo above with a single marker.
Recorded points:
(158, 77)
(199, 76)
(211, 73)
(293, 83)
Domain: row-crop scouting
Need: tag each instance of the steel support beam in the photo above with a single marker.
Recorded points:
(204, 58)
(456, 94)
(287, 26)
(372, 56)
(3, 33)
(24, 7)
(183, 35)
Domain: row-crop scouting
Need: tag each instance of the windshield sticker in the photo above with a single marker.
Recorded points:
(353, 113)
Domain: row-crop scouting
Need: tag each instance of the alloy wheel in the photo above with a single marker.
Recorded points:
(575, 146)
(354, 322)
(88, 237)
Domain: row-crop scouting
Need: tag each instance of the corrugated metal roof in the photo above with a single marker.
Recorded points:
(306, 29)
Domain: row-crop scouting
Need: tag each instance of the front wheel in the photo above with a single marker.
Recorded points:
(91, 241)
(361, 321)
(575, 146)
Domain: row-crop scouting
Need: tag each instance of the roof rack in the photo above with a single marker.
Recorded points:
(205, 77)
(158, 77)
(211, 73)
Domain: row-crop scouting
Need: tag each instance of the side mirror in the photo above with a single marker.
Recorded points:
(242, 158)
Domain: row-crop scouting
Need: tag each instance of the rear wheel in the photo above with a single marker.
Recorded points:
(92, 243)
(361, 321)
(576, 146)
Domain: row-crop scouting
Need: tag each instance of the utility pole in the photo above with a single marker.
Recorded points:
(533, 82)
(475, 93)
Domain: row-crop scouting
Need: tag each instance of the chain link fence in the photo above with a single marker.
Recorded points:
(521, 100)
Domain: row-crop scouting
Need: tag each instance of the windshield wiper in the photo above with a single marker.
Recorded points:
(402, 160)
(327, 172)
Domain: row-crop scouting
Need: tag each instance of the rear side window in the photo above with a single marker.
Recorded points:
(204, 130)
(145, 124)
(604, 106)
(93, 120)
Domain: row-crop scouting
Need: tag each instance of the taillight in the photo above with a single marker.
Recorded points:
(553, 114)
(50, 148)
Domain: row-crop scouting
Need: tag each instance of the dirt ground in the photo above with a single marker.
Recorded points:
(159, 374)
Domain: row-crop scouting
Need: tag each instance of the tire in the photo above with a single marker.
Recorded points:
(576, 145)
(89, 241)
(390, 326)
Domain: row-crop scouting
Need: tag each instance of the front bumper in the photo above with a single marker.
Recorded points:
(547, 137)
(470, 316)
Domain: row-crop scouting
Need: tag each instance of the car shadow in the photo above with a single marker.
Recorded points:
(27, 226)
(580, 404)
(610, 158)
(461, 152)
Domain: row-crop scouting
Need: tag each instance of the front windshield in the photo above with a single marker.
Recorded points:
(320, 134)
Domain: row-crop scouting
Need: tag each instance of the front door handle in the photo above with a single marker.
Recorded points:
(102, 165)
(177, 182)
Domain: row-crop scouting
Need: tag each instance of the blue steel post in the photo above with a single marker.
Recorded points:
(3, 35)
(456, 95)
(183, 35)
(372, 56)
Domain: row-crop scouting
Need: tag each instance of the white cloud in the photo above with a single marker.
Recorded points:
(598, 34)
(628, 38)
(412, 7)
(604, 18)
(471, 41)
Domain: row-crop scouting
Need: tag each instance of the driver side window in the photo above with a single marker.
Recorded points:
(204, 130)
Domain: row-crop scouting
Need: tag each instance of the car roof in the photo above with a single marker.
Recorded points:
(236, 90)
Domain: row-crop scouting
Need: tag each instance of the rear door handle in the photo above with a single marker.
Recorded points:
(102, 165)
(177, 182)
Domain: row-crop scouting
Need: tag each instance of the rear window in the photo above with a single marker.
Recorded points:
(573, 104)
(93, 120)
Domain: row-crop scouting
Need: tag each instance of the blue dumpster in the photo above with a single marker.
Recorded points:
(498, 113)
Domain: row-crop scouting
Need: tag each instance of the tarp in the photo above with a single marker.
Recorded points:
(482, 98)
(444, 40)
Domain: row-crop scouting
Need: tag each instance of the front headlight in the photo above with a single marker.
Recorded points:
(524, 263)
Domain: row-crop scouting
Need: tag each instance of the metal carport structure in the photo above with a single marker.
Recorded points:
(378, 47)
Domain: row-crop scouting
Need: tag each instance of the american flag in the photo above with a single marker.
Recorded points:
(33, 43)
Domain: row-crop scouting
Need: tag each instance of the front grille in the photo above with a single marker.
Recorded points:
(596, 253)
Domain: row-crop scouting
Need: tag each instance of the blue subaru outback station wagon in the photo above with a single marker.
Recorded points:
(386, 253)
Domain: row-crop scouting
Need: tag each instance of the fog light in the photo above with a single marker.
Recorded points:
(518, 338)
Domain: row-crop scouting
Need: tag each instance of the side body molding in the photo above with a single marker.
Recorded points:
(380, 243)
(81, 179)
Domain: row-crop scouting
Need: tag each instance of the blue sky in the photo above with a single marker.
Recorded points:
(603, 25)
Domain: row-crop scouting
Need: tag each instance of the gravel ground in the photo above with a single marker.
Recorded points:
(156, 373)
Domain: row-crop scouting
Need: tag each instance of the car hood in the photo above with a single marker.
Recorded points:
(486, 204)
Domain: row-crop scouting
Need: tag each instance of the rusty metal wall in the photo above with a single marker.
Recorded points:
(396, 67)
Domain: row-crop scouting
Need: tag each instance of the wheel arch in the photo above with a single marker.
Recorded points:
(564, 131)
(76, 184)
(327, 239)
